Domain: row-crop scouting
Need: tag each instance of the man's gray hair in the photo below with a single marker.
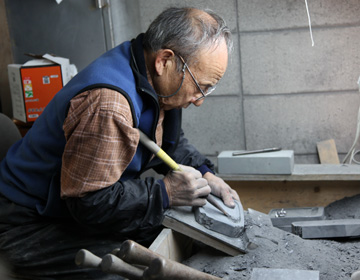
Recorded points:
(186, 31)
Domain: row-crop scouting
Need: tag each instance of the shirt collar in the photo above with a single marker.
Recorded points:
(138, 63)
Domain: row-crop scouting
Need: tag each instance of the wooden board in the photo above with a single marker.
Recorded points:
(172, 245)
(264, 196)
(306, 172)
(327, 152)
(181, 219)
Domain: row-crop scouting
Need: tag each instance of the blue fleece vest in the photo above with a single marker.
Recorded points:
(30, 173)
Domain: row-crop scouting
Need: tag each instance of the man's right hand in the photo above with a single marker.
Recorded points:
(186, 187)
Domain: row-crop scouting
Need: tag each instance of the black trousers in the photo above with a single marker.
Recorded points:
(34, 247)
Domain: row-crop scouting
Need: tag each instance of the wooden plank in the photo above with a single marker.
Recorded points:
(199, 236)
(182, 219)
(327, 152)
(172, 245)
(264, 196)
(306, 172)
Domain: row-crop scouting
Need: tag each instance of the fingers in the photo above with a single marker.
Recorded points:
(200, 195)
(199, 202)
(234, 194)
(221, 189)
(228, 195)
(228, 199)
(185, 189)
(202, 191)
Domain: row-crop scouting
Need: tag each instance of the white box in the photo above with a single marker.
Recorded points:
(279, 162)
(34, 83)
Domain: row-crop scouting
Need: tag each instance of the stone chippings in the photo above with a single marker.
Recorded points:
(274, 248)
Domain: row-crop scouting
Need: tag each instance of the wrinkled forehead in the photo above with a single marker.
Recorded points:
(213, 59)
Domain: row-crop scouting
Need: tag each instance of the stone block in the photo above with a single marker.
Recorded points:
(283, 218)
(327, 228)
(212, 218)
(284, 274)
(280, 162)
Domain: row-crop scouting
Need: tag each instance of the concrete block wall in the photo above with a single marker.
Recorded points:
(278, 89)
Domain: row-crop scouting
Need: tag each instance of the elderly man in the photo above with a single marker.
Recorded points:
(74, 180)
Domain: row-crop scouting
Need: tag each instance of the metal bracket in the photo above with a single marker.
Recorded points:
(101, 3)
(281, 213)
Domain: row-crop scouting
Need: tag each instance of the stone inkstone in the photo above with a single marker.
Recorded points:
(213, 219)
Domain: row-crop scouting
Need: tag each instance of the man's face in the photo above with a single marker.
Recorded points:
(209, 69)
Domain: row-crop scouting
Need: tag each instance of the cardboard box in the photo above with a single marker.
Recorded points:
(279, 162)
(34, 84)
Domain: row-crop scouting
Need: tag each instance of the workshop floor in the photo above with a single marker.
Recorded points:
(336, 260)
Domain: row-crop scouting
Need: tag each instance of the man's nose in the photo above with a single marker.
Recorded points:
(197, 102)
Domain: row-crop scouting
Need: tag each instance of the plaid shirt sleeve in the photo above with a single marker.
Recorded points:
(100, 141)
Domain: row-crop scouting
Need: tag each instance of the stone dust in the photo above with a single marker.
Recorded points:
(275, 248)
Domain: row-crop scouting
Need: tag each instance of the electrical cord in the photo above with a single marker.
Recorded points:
(352, 152)
(353, 159)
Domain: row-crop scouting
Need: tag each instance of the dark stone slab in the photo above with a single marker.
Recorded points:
(212, 218)
(283, 274)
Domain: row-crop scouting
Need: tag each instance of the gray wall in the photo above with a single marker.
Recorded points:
(278, 89)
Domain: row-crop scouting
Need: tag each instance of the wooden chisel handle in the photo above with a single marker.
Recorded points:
(85, 258)
(134, 253)
(163, 269)
(114, 265)
(159, 267)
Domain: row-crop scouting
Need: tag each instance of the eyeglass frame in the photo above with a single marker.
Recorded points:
(210, 89)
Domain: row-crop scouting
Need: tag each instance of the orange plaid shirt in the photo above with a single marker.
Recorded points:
(100, 141)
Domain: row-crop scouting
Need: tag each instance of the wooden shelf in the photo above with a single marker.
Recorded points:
(305, 172)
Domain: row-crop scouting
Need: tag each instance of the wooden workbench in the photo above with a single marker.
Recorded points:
(309, 185)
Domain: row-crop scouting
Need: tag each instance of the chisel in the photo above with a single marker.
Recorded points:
(160, 153)
(256, 151)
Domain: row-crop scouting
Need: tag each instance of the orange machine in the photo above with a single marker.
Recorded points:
(34, 83)
(39, 85)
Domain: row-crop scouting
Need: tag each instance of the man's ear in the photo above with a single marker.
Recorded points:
(164, 61)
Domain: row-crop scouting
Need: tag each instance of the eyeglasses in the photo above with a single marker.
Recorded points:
(204, 94)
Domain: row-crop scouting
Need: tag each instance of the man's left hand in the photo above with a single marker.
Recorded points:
(221, 189)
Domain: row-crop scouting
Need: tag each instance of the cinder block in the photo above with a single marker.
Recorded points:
(260, 14)
(283, 218)
(283, 127)
(205, 137)
(283, 274)
(281, 162)
(327, 228)
(275, 63)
